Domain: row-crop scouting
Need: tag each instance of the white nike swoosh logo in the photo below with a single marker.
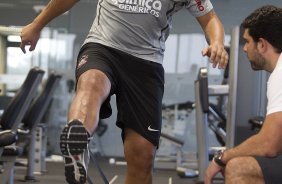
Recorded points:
(151, 129)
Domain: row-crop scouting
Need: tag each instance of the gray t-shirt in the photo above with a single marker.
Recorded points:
(140, 27)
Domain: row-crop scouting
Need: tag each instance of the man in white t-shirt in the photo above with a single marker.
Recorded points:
(257, 159)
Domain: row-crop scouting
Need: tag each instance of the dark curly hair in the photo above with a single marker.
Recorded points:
(266, 22)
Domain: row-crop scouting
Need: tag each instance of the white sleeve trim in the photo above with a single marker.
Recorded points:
(199, 7)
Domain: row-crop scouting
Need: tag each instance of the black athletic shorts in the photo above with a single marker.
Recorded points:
(271, 169)
(137, 83)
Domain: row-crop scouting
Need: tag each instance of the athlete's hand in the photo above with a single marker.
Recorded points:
(211, 171)
(217, 55)
(30, 35)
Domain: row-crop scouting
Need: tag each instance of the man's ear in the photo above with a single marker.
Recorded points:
(262, 45)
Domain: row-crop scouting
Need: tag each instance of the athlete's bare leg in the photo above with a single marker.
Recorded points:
(139, 154)
(92, 89)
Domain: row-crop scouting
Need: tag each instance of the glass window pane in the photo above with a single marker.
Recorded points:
(170, 54)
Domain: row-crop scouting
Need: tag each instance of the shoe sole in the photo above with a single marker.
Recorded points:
(73, 142)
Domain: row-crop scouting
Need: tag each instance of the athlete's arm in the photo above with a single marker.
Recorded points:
(30, 33)
(214, 32)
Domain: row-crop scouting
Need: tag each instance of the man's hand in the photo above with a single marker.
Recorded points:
(217, 55)
(30, 35)
(211, 171)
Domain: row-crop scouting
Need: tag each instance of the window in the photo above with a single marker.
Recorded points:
(183, 53)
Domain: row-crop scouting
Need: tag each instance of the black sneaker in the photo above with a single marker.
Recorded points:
(74, 147)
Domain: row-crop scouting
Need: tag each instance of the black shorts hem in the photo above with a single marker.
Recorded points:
(122, 126)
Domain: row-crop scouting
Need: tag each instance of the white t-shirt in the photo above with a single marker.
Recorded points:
(140, 27)
(274, 89)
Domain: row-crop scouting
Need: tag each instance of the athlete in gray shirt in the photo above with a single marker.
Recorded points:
(123, 55)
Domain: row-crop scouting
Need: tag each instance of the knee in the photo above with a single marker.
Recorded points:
(93, 80)
(140, 155)
(239, 167)
(233, 167)
(243, 170)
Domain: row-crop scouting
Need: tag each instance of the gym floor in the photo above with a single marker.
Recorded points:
(114, 173)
